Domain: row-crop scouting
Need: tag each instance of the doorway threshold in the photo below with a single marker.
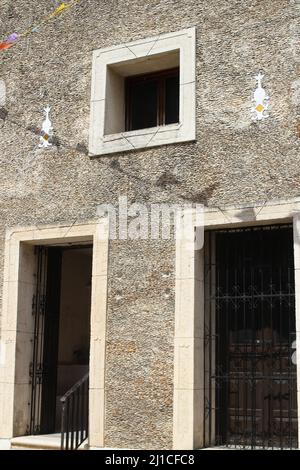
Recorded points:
(37, 442)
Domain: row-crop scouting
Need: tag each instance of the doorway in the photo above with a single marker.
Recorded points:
(61, 341)
(251, 353)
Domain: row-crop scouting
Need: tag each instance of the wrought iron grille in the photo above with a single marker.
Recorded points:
(250, 348)
(36, 368)
(43, 368)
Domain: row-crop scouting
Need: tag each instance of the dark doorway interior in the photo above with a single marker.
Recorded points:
(253, 302)
(62, 331)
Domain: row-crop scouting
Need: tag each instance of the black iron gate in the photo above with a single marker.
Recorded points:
(43, 368)
(250, 355)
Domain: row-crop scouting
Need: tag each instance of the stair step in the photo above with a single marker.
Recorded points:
(43, 442)
(27, 448)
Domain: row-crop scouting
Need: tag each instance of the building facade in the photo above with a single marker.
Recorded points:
(193, 104)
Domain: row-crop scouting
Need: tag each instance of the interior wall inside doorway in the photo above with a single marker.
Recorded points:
(74, 324)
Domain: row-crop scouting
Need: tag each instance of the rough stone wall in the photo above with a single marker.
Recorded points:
(233, 160)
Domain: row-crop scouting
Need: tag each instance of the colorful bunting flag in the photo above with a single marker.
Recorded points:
(61, 7)
(5, 45)
(12, 38)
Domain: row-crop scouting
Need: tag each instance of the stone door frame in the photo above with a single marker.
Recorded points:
(18, 286)
(189, 392)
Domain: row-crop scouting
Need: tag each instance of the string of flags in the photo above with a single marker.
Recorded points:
(46, 135)
(15, 37)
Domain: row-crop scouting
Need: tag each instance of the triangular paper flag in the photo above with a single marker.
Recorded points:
(12, 38)
(5, 45)
(59, 9)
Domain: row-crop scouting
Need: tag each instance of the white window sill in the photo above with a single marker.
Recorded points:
(141, 132)
(142, 139)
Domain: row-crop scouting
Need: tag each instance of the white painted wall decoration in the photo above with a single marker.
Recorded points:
(261, 100)
(47, 130)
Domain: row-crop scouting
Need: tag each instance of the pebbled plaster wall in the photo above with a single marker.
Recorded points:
(234, 160)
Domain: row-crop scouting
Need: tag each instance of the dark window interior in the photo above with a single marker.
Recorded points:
(152, 99)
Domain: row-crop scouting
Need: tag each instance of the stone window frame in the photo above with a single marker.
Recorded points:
(143, 52)
(189, 338)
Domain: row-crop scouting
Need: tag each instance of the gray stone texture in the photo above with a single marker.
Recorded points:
(234, 160)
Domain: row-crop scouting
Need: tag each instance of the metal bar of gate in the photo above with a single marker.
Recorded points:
(255, 379)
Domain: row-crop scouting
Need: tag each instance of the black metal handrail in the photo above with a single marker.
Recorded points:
(74, 415)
